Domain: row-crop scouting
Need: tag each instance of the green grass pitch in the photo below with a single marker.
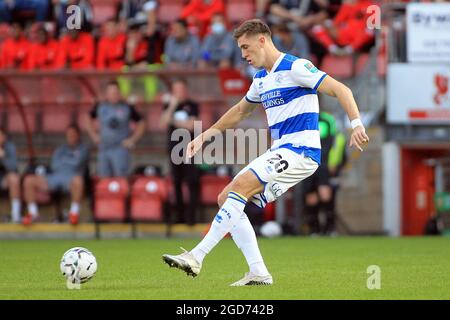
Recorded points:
(303, 268)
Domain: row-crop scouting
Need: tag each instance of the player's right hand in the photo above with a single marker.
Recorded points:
(194, 146)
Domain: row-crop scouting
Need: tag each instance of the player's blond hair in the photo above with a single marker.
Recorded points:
(252, 27)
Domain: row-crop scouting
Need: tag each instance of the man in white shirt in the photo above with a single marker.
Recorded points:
(286, 86)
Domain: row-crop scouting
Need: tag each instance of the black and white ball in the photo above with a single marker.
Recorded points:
(78, 265)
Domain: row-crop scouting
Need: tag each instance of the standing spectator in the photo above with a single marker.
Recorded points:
(182, 48)
(77, 50)
(69, 162)
(114, 140)
(134, 12)
(336, 162)
(293, 42)
(15, 52)
(317, 188)
(198, 14)
(180, 112)
(40, 8)
(218, 47)
(111, 47)
(61, 15)
(9, 177)
(348, 31)
(44, 54)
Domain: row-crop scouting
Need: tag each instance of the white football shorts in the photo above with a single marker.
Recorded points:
(279, 170)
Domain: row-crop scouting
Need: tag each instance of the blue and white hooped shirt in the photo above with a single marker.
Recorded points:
(289, 97)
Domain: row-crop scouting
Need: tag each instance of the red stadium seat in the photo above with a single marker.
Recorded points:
(148, 195)
(103, 10)
(211, 186)
(340, 67)
(110, 199)
(15, 122)
(56, 119)
(169, 10)
(238, 11)
(4, 31)
(361, 62)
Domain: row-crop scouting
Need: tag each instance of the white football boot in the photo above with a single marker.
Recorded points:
(251, 279)
(185, 261)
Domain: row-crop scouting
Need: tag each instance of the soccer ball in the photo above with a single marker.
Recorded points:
(271, 229)
(78, 265)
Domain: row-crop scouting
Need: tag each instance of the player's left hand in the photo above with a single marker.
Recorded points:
(359, 138)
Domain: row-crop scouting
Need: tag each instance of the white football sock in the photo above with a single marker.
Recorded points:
(245, 238)
(33, 209)
(74, 208)
(15, 210)
(226, 219)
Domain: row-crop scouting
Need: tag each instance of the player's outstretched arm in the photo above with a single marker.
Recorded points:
(230, 119)
(339, 90)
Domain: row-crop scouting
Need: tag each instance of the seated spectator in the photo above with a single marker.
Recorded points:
(69, 162)
(261, 9)
(9, 177)
(8, 7)
(348, 31)
(111, 47)
(218, 46)
(198, 14)
(61, 15)
(116, 138)
(136, 48)
(44, 54)
(77, 50)
(134, 12)
(300, 14)
(181, 48)
(15, 52)
(292, 42)
(142, 53)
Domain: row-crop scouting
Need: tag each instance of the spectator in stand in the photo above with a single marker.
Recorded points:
(69, 163)
(136, 49)
(40, 8)
(44, 54)
(139, 12)
(261, 9)
(293, 42)
(9, 178)
(77, 50)
(15, 52)
(348, 31)
(181, 49)
(300, 14)
(180, 112)
(111, 47)
(142, 53)
(115, 138)
(198, 14)
(218, 46)
(61, 15)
